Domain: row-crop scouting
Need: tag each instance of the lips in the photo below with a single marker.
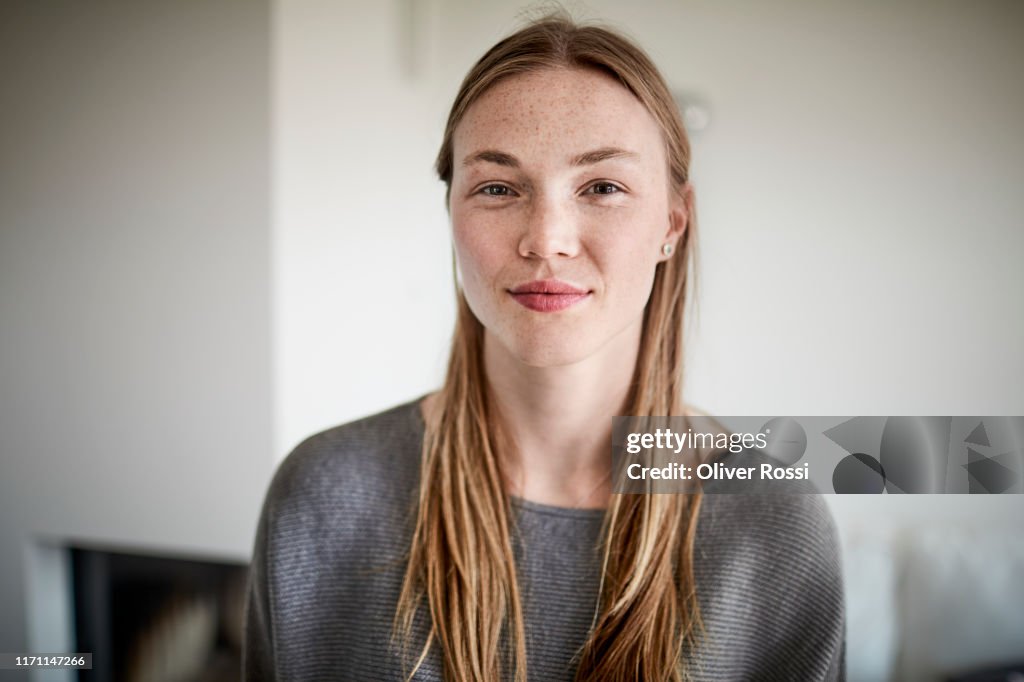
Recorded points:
(548, 295)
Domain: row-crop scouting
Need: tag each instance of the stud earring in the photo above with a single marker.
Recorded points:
(667, 249)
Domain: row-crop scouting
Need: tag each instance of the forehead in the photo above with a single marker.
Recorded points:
(558, 113)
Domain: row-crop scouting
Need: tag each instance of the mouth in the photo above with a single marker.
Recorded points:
(548, 295)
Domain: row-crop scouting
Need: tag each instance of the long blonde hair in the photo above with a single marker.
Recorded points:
(461, 559)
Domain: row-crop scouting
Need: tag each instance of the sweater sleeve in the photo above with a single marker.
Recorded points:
(258, 642)
(806, 568)
(825, 606)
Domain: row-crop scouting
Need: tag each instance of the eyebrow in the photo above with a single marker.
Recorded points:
(584, 159)
(603, 154)
(492, 156)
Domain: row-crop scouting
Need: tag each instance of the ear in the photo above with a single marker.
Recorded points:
(680, 208)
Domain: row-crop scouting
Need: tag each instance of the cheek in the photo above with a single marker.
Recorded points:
(628, 256)
(479, 251)
(630, 273)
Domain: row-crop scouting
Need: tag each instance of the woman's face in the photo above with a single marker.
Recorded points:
(560, 175)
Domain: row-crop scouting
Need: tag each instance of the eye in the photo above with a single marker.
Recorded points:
(496, 190)
(603, 188)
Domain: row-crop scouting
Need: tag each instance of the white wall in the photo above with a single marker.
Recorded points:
(135, 403)
(363, 298)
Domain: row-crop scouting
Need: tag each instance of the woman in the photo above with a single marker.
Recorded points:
(473, 534)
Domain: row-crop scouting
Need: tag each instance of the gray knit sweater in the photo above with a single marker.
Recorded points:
(327, 568)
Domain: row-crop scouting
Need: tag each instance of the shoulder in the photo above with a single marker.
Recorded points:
(368, 461)
(769, 580)
(793, 530)
(786, 519)
(331, 536)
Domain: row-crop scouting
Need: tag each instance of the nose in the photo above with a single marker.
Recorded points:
(551, 230)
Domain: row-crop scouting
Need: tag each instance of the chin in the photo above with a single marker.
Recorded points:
(555, 353)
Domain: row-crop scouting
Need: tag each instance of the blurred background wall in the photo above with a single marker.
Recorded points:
(221, 233)
(135, 400)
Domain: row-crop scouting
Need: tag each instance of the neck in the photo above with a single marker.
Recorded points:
(559, 420)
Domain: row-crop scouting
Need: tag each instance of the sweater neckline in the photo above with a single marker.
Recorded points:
(521, 504)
